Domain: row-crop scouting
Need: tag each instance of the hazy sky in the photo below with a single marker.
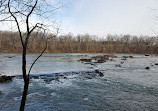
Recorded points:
(100, 17)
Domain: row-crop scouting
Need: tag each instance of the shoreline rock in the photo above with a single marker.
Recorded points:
(4, 78)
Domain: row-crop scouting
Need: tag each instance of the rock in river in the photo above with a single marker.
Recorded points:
(118, 65)
(100, 73)
(5, 78)
(85, 60)
(156, 63)
(147, 68)
(101, 58)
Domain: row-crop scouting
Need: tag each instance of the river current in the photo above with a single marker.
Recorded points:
(59, 82)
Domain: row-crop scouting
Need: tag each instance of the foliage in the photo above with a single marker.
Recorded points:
(9, 42)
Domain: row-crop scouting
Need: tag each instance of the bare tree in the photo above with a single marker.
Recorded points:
(28, 16)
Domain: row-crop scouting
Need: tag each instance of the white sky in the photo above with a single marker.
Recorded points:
(100, 17)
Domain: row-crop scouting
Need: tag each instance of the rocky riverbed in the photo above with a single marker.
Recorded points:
(62, 82)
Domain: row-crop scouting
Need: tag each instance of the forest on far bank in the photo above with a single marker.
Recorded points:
(10, 42)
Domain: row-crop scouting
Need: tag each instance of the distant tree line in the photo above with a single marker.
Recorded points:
(9, 42)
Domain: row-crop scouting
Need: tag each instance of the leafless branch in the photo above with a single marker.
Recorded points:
(57, 32)
(6, 19)
(27, 18)
(17, 23)
(37, 57)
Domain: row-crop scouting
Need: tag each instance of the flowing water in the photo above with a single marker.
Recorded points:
(59, 82)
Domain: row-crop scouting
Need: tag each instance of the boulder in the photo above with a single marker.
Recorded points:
(2, 79)
(118, 65)
(127, 56)
(101, 58)
(112, 56)
(9, 56)
(65, 77)
(156, 63)
(100, 61)
(111, 59)
(34, 77)
(100, 73)
(130, 56)
(5, 78)
(124, 59)
(96, 71)
(85, 60)
(147, 68)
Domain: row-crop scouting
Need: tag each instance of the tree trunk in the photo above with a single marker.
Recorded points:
(26, 80)
(22, 106)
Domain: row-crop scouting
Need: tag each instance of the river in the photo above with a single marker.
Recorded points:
(60, 82)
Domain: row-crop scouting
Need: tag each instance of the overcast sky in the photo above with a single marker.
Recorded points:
(100, 17)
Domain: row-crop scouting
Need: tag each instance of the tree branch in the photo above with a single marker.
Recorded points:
(37, 58)
(17, 23)
(5, 19)
(27, 24)
(27, 18)
(57, 32)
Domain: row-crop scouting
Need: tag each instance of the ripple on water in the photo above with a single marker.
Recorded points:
(78, 93)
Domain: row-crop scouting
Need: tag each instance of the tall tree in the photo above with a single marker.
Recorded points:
(28, 16)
